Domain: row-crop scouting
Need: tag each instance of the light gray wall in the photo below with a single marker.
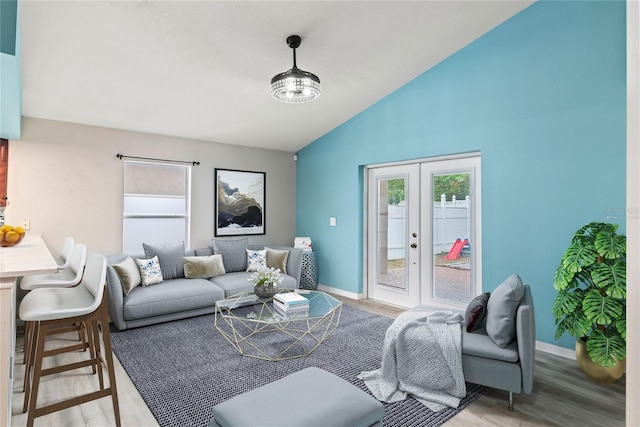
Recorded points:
(65, 178)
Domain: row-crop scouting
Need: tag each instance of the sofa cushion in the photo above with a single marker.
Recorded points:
(277, 259)
(234, 283)
(476, 311)
(129, 274)
(203, 267)
(256, 260)
(478, 343)
(233, 251)
(150, 272)
(501, 310)
(170, 257)
(170, 296)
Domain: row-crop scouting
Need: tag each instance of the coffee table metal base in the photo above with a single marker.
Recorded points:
(257, 332)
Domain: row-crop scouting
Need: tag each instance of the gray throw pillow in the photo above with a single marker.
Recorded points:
(234, 253)
(476, 312)
(203, 267)
(169, 257)
(129, 274)
(501, 311)
(277, 259)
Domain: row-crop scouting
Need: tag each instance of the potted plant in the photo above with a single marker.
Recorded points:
(591, 300)
(265, 282)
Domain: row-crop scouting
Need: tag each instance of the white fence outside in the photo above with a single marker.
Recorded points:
(451, 221)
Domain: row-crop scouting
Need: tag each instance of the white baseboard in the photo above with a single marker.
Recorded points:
(557, 350)
(340, 292)
(542, 346)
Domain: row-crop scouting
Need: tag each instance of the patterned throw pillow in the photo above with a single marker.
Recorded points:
(150, 272)
(256, 260)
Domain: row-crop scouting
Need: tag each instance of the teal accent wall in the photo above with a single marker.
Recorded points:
(542, 97)
(10, 72)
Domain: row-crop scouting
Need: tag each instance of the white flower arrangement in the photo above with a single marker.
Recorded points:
(266, 277)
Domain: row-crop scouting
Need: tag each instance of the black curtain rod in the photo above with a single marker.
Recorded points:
(122, 156)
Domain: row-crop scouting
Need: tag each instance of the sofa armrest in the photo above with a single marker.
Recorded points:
(115, 299)
(526, 336)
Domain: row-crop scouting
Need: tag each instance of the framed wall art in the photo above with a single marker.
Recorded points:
(239, 202)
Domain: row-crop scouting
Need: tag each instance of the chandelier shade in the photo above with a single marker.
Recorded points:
(295, 86)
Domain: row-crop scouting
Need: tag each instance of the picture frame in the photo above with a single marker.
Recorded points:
(239, 202)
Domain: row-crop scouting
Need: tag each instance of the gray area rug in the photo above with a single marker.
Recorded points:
(183, 368)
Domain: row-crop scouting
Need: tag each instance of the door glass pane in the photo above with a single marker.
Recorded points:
(392, 214)
(451, 237)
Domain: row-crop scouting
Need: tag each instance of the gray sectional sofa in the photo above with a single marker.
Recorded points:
(178, 297)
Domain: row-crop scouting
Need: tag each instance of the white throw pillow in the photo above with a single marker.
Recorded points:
(150, 272)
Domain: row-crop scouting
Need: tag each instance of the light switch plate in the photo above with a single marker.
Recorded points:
(26, 224)
(333, 221)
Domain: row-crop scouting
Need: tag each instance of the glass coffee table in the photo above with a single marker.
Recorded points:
(256, 329)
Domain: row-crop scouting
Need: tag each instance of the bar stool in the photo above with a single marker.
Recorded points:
(64, 277)
(67, 248)
(52, 308)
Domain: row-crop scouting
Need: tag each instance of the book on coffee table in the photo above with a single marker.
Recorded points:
(291, 299)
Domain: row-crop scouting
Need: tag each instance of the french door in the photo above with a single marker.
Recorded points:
(423, 232)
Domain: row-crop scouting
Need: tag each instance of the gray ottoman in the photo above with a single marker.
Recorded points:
(307, 398)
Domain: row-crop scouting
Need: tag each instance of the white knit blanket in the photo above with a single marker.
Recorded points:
(423, 358)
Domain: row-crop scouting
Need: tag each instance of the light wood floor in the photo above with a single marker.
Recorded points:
(561, 396)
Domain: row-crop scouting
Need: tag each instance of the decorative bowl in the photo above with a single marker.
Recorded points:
(11, 236)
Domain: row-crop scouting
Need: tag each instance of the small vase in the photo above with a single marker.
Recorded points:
(265, 291)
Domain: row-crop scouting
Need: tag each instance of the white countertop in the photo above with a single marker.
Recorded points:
(31, 256)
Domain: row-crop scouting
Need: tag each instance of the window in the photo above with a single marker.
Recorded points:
(156, 204)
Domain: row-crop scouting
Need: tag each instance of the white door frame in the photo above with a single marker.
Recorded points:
(476, 224)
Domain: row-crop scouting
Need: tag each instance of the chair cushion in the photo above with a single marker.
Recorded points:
(233, 251)
(170, 258)
(476, 311)
(334, 402)
(501, 310)
(478, 343)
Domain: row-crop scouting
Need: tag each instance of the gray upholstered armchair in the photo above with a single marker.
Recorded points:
(509, 368)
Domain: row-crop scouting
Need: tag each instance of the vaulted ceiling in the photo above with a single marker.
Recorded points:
(201, 69)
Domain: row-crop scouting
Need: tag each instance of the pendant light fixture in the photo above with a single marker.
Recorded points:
(295, 86)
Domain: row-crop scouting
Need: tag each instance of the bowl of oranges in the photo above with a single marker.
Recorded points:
(10, 236)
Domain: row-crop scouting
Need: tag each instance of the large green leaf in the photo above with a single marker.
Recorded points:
(602, 310)
(611, 277)
(610, 245)
(606, 350)
(621, 326)
(575, 324)
(565, 303)
(562, 278)
(578, 255)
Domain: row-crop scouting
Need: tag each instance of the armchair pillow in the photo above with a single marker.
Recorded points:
(277, 259)
(501, 310)
(476, 312)
(169, 257)
(203, 267)
(234, 255)
(129, 274)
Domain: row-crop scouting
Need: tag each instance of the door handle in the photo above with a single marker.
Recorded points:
(414, 245)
